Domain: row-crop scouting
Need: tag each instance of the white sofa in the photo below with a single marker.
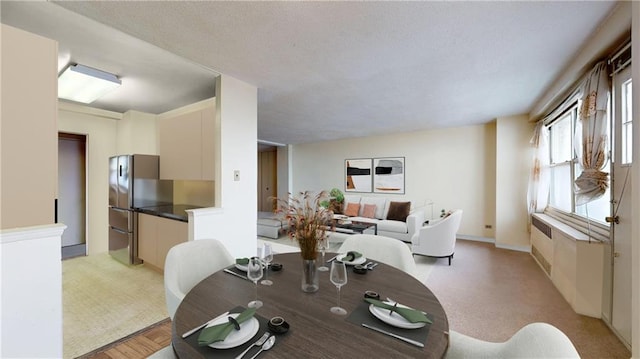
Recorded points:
(403, 231)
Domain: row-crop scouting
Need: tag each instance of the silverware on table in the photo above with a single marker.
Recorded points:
(373, 266)
(258, 342)
(266, 346)
(410, 341)
(187, 333)
(226, 270)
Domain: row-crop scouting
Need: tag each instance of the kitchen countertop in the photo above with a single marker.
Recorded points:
(170, 211)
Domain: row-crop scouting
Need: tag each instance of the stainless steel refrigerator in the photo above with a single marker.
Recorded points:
(133, 183)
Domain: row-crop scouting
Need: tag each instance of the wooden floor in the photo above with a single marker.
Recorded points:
(136, 346)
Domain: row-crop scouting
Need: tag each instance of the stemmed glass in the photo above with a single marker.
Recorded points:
(254, 273)
(267, 257)
(322, 246)
(338, 277)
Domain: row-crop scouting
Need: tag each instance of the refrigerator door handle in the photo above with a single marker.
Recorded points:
(118, 230)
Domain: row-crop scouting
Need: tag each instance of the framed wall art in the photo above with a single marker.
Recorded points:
(388, 175)
(357, 175)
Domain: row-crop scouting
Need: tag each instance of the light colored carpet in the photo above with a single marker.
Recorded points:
(284, 244)
(104, 300)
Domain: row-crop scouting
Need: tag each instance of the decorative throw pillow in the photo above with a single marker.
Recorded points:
(369, 211)
(398, 211)
(352, 209)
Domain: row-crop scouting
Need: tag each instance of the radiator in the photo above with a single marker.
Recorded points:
(541, 246)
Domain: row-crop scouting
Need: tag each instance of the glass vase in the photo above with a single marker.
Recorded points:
(310, 278)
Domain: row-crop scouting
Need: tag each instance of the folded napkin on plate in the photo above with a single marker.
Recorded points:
(219, 332)
(242, 261)
(351, 256)
(412, 315)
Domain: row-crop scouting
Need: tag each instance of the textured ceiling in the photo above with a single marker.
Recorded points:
(328, 70)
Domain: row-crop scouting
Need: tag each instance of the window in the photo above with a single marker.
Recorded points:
(564, 169)
(561, 159)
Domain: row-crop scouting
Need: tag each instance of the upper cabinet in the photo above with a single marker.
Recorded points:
(29, 140)
(186, 141)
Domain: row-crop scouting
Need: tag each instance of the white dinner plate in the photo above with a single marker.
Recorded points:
(243, 267)
(247, 330)
(394, 318)
(359, 260)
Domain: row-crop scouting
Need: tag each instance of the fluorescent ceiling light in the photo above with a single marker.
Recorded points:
(84, 84)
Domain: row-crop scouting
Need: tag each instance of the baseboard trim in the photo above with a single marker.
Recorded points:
(526, 249)
(476, 238)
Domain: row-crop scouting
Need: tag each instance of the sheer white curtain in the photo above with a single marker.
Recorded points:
(538, 191)
(591, 136)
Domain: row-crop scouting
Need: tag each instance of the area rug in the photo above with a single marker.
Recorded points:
(104, 300)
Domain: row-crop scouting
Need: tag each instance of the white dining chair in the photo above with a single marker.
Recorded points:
(186, 265)
(190, 262)
(391, 251)
(438, 240)
(535, 340)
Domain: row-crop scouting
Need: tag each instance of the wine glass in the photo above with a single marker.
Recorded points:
(254, 273)
(267, 257)
(322, 246)
(338, 277)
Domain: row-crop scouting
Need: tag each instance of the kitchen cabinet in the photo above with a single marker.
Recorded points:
(156, 235)
(187, 145)
(29, 139)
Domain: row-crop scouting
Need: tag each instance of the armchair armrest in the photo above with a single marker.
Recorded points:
(414, 222)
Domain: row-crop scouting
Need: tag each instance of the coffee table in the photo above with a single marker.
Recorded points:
(355, 227)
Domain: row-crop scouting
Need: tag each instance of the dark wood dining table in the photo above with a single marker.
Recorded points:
(314, 331)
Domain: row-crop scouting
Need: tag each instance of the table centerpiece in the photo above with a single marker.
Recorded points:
(308, 223)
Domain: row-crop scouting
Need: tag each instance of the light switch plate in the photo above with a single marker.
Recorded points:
(236, 175)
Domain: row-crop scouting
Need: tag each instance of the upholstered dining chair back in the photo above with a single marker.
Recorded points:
(439, 239)
(190, 262)
(535, 340)
(391, 251)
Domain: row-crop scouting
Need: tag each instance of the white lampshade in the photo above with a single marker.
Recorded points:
(84, 84)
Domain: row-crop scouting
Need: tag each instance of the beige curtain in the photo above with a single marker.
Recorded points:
(538, 191)
(591, 137)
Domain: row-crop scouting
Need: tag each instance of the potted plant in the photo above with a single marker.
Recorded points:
(336, 201)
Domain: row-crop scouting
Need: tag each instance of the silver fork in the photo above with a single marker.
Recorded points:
(258, 343)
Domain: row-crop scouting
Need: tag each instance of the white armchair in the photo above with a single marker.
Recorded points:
(439, 239)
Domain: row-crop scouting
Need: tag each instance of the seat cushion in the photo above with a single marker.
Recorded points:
(392, 226)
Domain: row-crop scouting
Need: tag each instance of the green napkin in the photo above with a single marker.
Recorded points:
(351, 256)
(219, 332)
(242, 261)
(412, 315)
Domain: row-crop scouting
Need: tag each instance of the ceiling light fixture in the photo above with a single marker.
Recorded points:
(85, 84)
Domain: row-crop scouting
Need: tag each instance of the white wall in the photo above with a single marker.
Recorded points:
(100, 127)
(234, 220)
(453, 167)
(513, 163)
(31, 292)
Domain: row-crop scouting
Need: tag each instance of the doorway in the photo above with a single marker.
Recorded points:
(267, 179)
(621, 207)
(72, 193)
